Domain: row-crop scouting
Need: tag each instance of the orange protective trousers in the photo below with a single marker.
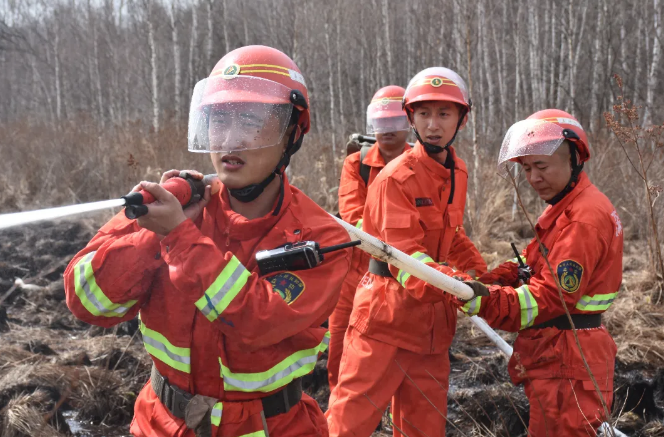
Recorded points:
(417, 381)
(565, 407)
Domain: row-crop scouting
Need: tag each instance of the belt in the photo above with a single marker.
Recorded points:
(379, 268)
(176, 400)
(581, 321)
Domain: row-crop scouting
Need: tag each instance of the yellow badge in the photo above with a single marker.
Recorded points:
(436, 82)
(569, 274)
(231, 71)
(385, 101)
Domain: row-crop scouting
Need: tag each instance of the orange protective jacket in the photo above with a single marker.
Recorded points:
(407, 207)
(211, 323)
(583, 237)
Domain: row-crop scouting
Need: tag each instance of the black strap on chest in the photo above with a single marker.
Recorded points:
(365, 170)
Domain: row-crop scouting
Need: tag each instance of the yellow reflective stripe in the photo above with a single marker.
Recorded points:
(93, 299)
(358, 225)
(528, 304)
(403, 276)
(159, 347)
(472, 307)
(215, 415)
(223, 290)
(598, 302)
(295, 366)
(255, 434)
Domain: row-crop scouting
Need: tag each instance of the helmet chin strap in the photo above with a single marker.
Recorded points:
(576, 171)
(252, 192)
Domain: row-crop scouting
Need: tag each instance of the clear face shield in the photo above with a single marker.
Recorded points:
(234, 113)
(526, 138)
(386, 115)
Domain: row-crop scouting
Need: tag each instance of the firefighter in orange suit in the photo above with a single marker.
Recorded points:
(229, 345)
(401, 325)
(386, 120)
(582, 238)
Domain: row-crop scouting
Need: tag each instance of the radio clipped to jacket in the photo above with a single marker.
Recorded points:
(296, 256)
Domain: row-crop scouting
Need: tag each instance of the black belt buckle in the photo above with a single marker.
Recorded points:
(282, 401)
(178, 400)
(379, 268)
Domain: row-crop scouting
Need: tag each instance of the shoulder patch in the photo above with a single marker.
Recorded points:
(288, 285)
(569, 274)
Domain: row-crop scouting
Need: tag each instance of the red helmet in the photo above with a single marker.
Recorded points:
(249, 97)
(385, 112)
(568, 123)
(542, 134)
(436, 83)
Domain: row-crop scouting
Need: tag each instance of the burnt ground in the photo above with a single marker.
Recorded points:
(59, 376)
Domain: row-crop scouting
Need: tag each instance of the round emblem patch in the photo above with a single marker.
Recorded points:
(385, 101)
(231, 71)
(436, 82)
(288, 285)
(569, 274)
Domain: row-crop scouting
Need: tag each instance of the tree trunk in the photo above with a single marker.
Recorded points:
(176, 65)
(224, 12)
(153, 68)
(330, 69)
(342, 107)
(210, 36)
(654, 71)
(56, 68)
(596, 76)
(192, 47)
(388, 45)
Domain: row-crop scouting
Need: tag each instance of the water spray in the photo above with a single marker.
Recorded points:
(186, 188)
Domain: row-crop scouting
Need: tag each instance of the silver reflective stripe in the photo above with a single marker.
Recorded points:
(227, 285)
(92, 293)
(162, 348)
(257, 385)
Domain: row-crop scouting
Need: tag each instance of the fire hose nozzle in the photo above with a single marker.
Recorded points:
(186, 188)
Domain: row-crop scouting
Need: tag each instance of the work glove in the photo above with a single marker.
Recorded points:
(478, 288)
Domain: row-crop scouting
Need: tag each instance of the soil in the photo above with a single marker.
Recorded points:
(62, 377)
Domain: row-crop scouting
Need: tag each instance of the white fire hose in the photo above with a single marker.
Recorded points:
(395, 257)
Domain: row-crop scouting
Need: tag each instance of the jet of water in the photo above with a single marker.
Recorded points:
(23, 218)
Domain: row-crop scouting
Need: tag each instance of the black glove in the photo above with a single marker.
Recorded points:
(478, 288)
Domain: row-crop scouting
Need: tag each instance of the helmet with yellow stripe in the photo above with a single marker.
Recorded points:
(385, 112)
(437, 84)
(254, 96)
(251, 97)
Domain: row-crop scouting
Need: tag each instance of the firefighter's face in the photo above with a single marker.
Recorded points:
(436, 121)
(392, 141)
(238, 169)
(548, 175)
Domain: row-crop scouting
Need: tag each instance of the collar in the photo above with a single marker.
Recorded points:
(421, 154)
(552, 212)
(239, 227)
